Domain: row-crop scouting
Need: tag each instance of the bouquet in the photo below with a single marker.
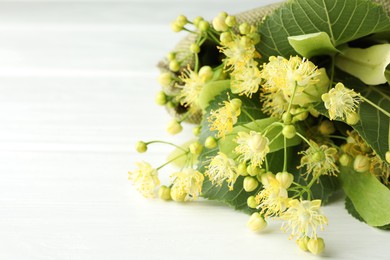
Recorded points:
(290, 103)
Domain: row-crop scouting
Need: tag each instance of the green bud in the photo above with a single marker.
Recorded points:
(289, 131)
(161, 98)
(361, 163)
(242, 169)
(251, 201)
(352, 118)
(302, 243)
(171, 56)
(326, 127)
(181, 20)
(178, 196)
(253, 170)
(236, 103)
(210, 142)
(174, 127)
(164, 193)
(256, 222)
(204, 26)
(195, 48)
(196, 148)
(197, 20)
(285, 179)
(225, 37)
(231, 21)
(206, 73)
(345, 159)
(219, 23)
(244, 28)
(141, 147)
(300, 114)
(165, 79)
(196, 130)
(250, 184)
(255, 37)
(316, 245)
(265, 178)
(287, 118)
(176, 27)
(174, 65)
(318, 156)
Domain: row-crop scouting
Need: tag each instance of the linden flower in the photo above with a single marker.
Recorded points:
(274, 103)
(246, 80)
(303, 218)
(319, 159)
(252, 146)
(188, 181)
(224, 118)
(222, 168)
(145, 179)
(273, 199)
(341, 102)
(192, 87)
(239, 51)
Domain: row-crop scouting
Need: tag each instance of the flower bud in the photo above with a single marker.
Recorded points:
(326, 127)
(287, 118)
(181, 20)
(141, 147)
(194, 48)
(345, 159)
(289, 131)
(316, 245)
(387, 156)
(219, 23)
(256, 222)
(302, 243)
(174, 127)
(230, 21)
(206, 73)
(255, 37)
(361, 163)
(210, 142)
(165, 79)
(253, 170)
(225, 37)
(197, 20)
(352, 118)
(236, 103)
(285, 179)
(196, 130)
(250, 184)
(204, 26)
(164, 193)
(300, 114)
(196, 148)
(161, 98)
(176, 27)
(244, 28)
(242, 169)
(251, 201)
(174, 65)
(171, 56)
(266, 177)
(176, 195)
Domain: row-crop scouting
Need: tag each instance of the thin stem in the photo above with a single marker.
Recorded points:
(169, 143)
(266, 164)
(337, 137)
(250, 116)
(376, 106)
(292, 98)
(285, 154)
(304, 138)
(173, 159)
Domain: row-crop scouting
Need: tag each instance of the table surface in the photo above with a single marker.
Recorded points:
(77, 86)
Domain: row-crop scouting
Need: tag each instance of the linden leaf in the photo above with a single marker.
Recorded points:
(369, 196)
(210, 91)
(312, 44)
(368, 65)
(343, 21)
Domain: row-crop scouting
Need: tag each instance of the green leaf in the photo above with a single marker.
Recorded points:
(210, 91)
(370, 198)
(368, 64)
(228, 145)
(312, 44)
(343, 21)
(373, 125)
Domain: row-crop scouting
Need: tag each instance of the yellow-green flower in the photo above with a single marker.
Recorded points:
(145, 179)
(192, 87)
(245, 80)
(320, 160)
(252, 146)
(341, 102)
(222, 168)
(224, 118)
(303, 218)
(188, 181)
(273, 199)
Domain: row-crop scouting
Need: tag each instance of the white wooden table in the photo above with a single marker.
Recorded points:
(77, 86)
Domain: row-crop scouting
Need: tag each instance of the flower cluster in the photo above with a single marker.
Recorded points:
(269, 129)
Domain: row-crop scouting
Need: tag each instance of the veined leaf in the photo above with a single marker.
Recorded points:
(312, 44)
(210, 90)
(370, 197)
(342, 20)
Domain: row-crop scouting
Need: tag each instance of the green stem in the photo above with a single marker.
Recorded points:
(164, 142)
(173, 159)
(376, 106)
(304, 138)
(292, 98)
(285, 154)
